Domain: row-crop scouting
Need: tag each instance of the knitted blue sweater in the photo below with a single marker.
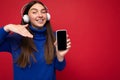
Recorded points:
(36, 71)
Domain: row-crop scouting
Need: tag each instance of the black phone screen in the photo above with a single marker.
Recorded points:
(61, 40)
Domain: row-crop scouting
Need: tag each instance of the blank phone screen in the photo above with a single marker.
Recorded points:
(61, 40)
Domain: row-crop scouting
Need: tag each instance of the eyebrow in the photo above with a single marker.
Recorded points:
(37, 9)
(33, 9)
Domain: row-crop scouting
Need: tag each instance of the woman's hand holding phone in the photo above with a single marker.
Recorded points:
(62, 44)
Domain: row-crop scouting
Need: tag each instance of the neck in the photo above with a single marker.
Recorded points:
(40, 27)
(38, 33)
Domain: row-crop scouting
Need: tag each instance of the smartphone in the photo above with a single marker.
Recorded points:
(61, 39)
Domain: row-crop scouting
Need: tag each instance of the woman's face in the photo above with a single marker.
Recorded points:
(37, 15)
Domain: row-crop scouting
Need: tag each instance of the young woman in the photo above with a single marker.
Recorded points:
(33, 45)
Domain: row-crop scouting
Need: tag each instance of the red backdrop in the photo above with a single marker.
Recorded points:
(94, 29)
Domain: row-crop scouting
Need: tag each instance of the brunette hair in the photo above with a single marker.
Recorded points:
(28, 46)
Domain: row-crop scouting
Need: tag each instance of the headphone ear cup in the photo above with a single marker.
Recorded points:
(48, 16)
(26, 18)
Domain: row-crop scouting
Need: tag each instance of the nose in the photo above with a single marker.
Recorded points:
(40, 14)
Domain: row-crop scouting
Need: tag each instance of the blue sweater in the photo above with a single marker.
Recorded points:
(35, 71)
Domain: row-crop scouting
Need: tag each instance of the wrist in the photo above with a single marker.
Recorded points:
(60, 58)
(6, 28)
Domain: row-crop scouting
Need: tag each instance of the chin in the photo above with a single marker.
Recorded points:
(40, 25)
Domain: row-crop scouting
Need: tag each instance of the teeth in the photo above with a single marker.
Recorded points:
(40, 21)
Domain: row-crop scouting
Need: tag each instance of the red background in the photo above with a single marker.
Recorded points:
(94, 29)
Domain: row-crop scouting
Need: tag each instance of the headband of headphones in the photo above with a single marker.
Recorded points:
(25, 17)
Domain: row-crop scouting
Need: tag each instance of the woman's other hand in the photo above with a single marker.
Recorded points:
(19, 29)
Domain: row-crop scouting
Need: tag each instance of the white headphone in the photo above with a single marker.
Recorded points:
(26, 17)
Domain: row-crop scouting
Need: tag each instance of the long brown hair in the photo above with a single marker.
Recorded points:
(28, 46)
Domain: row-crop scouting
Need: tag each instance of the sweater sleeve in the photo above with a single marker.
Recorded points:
(60, 65)
(4, 42)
